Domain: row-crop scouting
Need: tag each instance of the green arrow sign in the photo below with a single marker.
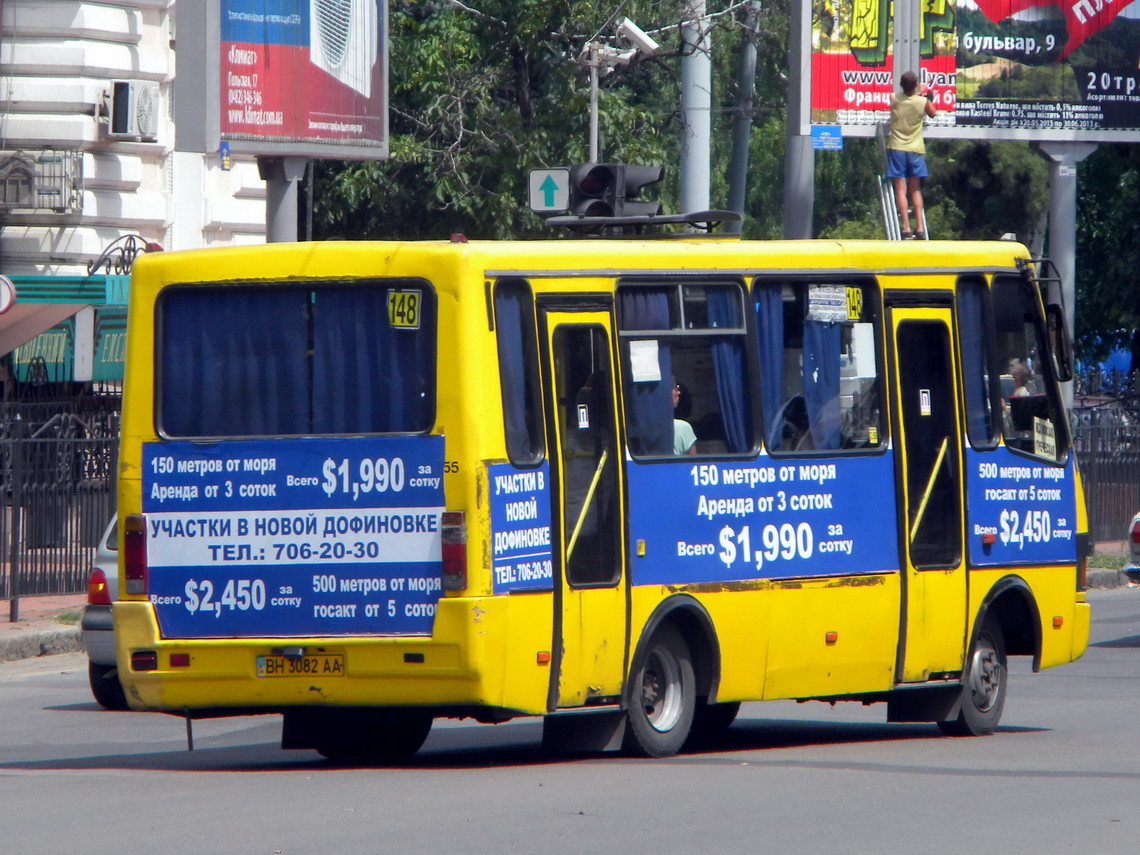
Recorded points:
(549, 190)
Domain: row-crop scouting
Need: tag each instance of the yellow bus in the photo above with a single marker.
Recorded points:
(621, 485)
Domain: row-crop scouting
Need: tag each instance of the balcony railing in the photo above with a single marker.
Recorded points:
(42, 180)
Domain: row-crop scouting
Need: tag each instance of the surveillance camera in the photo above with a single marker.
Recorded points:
(640, 39)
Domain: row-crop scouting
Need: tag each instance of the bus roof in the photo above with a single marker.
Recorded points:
(584, 257)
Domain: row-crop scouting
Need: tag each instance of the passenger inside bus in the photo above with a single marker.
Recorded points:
(684, 438)
(1020, 374)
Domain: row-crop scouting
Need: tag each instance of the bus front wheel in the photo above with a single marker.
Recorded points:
(983, 685)
(662, 697)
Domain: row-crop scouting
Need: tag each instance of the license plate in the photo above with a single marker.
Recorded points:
(315, 665)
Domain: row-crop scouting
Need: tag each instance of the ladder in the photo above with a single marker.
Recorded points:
(887, 193)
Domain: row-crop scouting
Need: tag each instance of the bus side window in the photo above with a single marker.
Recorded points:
(1030, 399)
(819, 374)
(690, 339)
(518, 371)
(975, 333)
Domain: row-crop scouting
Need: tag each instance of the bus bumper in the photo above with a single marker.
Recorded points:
(200, 675)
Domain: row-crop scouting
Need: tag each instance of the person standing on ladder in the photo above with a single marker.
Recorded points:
(906, 152)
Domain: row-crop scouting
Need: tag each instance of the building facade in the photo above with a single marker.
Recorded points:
(89, 174)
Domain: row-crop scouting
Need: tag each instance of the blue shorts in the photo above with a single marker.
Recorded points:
(905, 164)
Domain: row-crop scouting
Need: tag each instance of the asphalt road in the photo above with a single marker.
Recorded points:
(1061, 775)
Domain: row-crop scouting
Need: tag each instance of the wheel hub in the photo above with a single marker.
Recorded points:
(985, 678)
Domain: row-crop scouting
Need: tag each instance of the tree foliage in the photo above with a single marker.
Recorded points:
(483, 91)
(1108, 235)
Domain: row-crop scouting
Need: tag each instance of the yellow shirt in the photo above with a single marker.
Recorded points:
(907, 113)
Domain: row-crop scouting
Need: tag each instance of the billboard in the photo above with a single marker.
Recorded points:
(306, 78)
(1060, 70)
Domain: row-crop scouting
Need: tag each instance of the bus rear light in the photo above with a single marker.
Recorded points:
(144, 660)
(1082, 573)
(1136, 531)
(134, 554)
(97, 592)
(454, 550)
(179, 660)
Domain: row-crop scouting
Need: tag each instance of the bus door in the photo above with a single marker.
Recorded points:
(928, 454)
(590, 601)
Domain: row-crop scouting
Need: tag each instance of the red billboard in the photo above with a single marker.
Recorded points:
(1045, 69)
(302, 70)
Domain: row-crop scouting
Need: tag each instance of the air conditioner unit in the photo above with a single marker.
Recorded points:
(343, 37)
(134, 110)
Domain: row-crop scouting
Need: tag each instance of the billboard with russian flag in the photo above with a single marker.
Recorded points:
(289, 77)
(1000, 69)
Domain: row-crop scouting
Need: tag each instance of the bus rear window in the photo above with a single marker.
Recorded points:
(333, 358)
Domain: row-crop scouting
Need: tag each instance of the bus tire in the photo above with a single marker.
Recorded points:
(105, 686)
(373, 737)
(662, 697)
(984, 685)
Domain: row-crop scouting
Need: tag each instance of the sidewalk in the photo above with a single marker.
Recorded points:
(38, 631)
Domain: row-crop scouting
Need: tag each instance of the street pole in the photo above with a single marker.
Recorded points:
(742, 125)
(696, 108)
(799, 157)
(1063, 158)
(281, 176)
(593, 63)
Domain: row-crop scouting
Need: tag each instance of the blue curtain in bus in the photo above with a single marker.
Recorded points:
(509, 317)
(971, 331)
(770, 342)
(367, 376)
(230, 364)
(648, 405)
(728, 368)
(821, 382)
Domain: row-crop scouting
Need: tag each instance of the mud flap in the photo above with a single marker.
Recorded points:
(565, 733)
(938, 703)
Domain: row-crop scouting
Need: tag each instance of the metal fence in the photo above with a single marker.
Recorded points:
(58, 464)
(1109, 457)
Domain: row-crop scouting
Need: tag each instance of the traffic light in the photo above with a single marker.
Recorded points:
(632, 180)
(592, 189)
(611, 190)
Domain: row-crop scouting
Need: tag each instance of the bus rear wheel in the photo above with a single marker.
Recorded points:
(371, 737)
(662, 697)
(983, 685)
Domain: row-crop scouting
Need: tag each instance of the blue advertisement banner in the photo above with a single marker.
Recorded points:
(694, 523)
(1027, 505)
(294, 537)
(521, 557)
(281, 22)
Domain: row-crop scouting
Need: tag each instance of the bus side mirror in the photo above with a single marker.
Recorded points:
(1060, 343)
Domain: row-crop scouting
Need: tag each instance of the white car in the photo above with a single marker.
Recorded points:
(97, 628)
(1132, 568)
